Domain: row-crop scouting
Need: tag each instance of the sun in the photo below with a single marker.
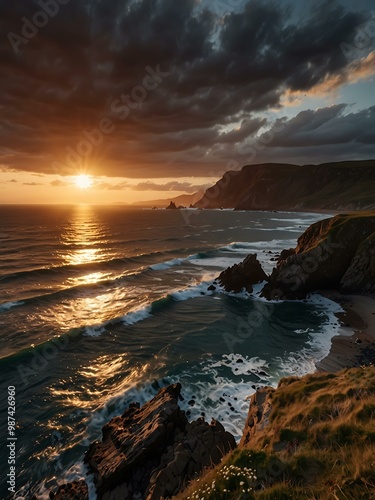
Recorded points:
(83, 181)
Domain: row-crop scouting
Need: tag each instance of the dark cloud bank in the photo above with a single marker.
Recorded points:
(171, 88)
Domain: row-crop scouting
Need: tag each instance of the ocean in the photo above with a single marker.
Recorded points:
(101, 306)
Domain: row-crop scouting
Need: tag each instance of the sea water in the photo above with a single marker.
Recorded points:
(102, 306)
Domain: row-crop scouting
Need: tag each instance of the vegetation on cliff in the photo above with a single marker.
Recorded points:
(313, 437)
(334, 253)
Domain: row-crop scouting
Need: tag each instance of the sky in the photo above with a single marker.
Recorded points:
(155, 98)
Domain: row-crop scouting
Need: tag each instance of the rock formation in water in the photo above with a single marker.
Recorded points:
(278, 186)
(336, 253)
(172, 206)
(153, 451)
(243, 275)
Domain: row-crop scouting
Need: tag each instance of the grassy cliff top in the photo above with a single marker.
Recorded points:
(319, 444)
(351, 226)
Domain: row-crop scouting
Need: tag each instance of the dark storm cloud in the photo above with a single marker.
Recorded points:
(220, 71)
(313, 136)
(328, 126)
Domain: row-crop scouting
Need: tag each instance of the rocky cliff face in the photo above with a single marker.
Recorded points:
(151, 452)
(334, 253)
(271, 186)
(360, 276)
(258, 416)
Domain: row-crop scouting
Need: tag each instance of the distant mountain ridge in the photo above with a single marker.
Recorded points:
(280, 186)
(183, 199)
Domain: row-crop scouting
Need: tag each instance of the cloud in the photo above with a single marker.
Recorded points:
(313, 136)
(361, 69)
(223, 73)
(59, 183)
(32, 184)
(328, 126)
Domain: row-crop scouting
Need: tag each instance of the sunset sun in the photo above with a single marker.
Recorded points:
(83, 181)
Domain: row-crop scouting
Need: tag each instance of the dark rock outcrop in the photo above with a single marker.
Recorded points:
(153, 451)
(360, 276)
(336, 253)
(243, 275)
(172, 206)
(76, 490)
(346, 185)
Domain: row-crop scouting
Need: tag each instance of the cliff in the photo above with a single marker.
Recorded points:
(279, 186)
(312, 437)
(336, 253)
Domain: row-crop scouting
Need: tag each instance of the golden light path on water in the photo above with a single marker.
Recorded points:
(93, 394)
(84, 232)
(85, 238)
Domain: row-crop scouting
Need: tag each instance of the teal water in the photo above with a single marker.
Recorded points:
(101, 306)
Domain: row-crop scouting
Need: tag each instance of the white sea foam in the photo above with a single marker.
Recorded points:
(194, 291)
(275, 244)
(221, 262)
(133, 317)
(241, 365)
(8, 305)
(166, 265)
(94, 330)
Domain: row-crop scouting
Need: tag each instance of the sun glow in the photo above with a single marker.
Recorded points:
(83, 181)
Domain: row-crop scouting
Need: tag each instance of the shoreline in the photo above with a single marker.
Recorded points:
(354, 345)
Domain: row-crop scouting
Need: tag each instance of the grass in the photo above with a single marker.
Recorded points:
(319, 444)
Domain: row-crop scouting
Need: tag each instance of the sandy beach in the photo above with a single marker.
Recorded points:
(355, 344)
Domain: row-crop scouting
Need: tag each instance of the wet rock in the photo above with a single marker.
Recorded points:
(243, 275)
(172, 206)
(211, 288)
(153, 451)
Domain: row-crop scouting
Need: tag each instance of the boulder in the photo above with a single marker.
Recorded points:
(153, 451)
(322, 258)
(243, 275)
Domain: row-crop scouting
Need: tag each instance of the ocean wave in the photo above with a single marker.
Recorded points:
(166, 265)
(8, 305)
(90, 266)
(137, 315)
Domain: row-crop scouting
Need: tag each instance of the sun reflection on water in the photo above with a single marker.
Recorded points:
(97, 380)
(84, 234)
(84, 237)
